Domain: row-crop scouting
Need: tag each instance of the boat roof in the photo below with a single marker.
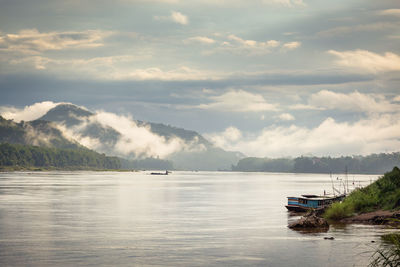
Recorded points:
(316, 197)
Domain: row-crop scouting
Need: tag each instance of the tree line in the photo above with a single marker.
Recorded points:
(373, 164)
(34, 156)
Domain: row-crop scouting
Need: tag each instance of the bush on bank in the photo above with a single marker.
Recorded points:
(382, 194)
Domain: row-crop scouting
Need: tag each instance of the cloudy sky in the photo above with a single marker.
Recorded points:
(264, 77)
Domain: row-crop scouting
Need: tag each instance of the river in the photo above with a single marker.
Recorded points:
(183, 219)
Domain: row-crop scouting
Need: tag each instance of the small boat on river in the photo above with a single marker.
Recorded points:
(320, 202)
(308, 202)
(160, 173)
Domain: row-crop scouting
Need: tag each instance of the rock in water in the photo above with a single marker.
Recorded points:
(309, 221)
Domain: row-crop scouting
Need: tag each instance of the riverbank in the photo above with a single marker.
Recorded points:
(381, 195)
(378, 217)
(377, 203)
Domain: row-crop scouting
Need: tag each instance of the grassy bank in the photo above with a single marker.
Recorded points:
(382, 194)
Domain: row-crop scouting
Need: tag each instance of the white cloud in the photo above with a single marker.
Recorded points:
(377, 133)
(355, 101)
(38, 62)
(109, 68)
(252, 43)
(238, 45)
(286, 117)
(239, 101)
(155, 1)
(242, 41)
(272, 43)
(231, 134)
(179, 18)
(390, 12)
(291, 45)
(27, 113)
(367, 61)
(230, 3)
(303, 107)
(175, 17)
(182, 73)
(200, 39)
(138, 140)
(31, 41)
(100, 67)
(283, 3)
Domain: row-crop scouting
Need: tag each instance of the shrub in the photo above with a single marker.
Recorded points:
(382, 194)
(339, 211)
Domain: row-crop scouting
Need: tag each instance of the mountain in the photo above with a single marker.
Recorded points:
(69, 114)
(139, 140)
(169, 132)
(40, 143)
(37, 133)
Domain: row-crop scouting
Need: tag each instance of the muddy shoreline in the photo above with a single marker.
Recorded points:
(379, 217)
(314, 220)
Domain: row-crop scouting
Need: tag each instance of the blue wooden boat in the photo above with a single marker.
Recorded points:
(160, 173)
(308, 202)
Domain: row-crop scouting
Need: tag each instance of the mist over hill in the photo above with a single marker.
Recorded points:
(140, 141)
(145, 145)
(36, 133)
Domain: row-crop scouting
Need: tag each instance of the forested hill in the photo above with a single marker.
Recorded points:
(72, 115)
(24, 156)
(38, 133)
(373, 164)
(197, 153)
(40, 144)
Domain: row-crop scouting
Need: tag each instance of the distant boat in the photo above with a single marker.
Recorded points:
(160, 173)
(308, 202)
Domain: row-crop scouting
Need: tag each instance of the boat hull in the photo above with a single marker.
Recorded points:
(296, 208)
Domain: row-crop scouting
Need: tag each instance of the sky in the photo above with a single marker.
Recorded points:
(269, 78)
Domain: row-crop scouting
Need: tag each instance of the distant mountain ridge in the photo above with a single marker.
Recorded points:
(168, 131)
(71, 115)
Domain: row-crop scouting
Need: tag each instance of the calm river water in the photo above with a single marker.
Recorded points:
(183, 219)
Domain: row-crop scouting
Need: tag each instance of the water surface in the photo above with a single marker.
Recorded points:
(183, 219)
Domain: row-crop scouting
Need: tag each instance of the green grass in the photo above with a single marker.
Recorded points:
(382, 194)
(339, 211)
